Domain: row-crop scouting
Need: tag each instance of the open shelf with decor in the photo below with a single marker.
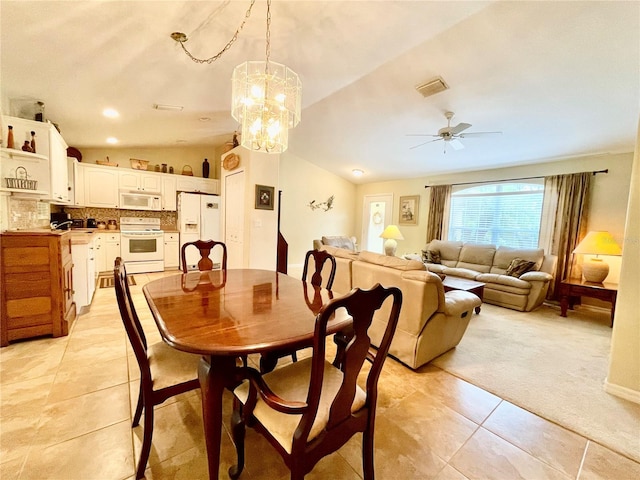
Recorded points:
(24, 172)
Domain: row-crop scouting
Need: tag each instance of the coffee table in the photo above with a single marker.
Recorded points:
(455, 283)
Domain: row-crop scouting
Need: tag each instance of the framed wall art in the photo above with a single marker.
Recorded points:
(264, 197)
(408, 214)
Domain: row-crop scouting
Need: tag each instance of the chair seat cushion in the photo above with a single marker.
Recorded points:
(291, 382)
(170, 366)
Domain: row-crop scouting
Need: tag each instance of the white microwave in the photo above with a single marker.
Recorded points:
(139, 201)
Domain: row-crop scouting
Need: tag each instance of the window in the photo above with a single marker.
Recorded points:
(500, 214)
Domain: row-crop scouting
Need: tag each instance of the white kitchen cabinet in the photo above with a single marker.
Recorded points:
(186, 183)
(59, 167)
(108, 251)
(98, 186)
(84, 270)
(140, 181)
(72, 168)
(171, 250)
(169, 193)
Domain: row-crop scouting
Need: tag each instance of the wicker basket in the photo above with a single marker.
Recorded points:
(21, 181)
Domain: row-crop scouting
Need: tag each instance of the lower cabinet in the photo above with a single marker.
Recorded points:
(37, 285)
(108, 251)
(171, 250)
(85, 252)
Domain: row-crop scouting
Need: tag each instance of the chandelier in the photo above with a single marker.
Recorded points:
(265, 95)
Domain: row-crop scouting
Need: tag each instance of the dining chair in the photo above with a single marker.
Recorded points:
(164, 371)
(311, 408)
(268, 361)
(205, 247)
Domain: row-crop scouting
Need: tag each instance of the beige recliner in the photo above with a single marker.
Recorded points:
(431, 321)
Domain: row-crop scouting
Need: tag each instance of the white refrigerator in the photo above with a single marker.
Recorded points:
(199, 219)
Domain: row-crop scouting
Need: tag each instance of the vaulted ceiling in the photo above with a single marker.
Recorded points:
(558, 79)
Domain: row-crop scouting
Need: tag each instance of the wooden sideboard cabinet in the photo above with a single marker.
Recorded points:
(37, 285)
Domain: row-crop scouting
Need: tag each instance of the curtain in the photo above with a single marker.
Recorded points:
(437, 203)
(565, 212)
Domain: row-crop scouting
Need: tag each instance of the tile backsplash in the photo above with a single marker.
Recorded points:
(168, 220)
(26, 213)
(23, 213)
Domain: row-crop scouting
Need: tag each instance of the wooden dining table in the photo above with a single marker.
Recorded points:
(226, 315)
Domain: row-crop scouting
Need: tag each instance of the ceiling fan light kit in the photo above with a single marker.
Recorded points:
(450, 135)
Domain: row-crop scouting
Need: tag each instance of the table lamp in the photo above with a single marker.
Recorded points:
(391, 234)
(597, 243)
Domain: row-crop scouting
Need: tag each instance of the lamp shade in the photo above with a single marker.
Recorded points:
(598, 243)
(392, 232)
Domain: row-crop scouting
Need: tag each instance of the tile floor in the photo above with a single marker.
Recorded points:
(66, 407)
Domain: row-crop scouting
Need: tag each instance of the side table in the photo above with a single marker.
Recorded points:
(570, 288)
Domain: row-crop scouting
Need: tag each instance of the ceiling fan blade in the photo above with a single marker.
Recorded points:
(456, 144)
(419, 135)
(478, 134)
(430, 141)
(459, 128)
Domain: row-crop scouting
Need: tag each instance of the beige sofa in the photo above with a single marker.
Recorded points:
(340, 241)
(489, 265)
(431, 321)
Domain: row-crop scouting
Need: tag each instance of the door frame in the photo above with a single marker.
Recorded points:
(388, 215)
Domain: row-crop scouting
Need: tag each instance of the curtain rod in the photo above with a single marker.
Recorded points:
(510, 179)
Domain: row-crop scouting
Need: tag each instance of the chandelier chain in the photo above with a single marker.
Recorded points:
(268, 42)
(229, 43)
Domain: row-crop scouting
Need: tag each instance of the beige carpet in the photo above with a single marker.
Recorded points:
(552, 366)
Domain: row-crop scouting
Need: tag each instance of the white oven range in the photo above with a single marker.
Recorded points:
(142, 244)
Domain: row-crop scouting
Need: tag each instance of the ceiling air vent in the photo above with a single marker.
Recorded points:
(432, 87)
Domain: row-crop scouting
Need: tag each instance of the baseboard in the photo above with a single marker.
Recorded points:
(622, 392)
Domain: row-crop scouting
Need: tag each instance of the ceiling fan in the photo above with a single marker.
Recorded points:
(451, 135)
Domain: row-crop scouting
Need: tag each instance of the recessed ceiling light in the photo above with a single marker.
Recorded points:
(112, 140)
(110, 113)
(204, 119)
(177, 108)
(357, 172)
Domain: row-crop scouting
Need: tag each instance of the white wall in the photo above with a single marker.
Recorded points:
(624, 366)
(414, 235)
(301, 182)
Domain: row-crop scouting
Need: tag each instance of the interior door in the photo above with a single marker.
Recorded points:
(377, 214)
(234, 219)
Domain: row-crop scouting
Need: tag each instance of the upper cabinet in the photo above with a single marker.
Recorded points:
(59, 167)
(186, 183)
(169, 193)
(97, 186)
(140, 181)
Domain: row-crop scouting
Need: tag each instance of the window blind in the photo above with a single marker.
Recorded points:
(498, 214)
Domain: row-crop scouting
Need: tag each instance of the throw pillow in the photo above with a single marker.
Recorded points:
(518, 266)
(433, 256)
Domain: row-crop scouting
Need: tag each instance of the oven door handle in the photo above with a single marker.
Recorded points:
(135, 235)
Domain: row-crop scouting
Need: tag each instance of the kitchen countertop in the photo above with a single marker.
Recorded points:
(35, 231)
